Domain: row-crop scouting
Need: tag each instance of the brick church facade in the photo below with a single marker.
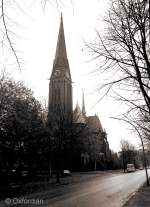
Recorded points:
(94, 148)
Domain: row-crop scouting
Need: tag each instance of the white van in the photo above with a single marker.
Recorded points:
(130, 168)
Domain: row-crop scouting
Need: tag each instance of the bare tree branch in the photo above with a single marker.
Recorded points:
(7, 34)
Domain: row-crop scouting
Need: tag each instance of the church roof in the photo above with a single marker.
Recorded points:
(94, 123)
(78, 116)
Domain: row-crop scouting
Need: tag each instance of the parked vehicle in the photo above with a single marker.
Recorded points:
(66, 173)
(63, 173)
(130, 168)
(141, 167)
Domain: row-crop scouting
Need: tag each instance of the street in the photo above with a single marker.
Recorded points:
(110, 190)
(89, 189)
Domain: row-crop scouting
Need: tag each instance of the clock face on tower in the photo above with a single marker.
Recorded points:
(57, 73)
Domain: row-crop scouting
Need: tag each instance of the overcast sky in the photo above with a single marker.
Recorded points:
(39, 31)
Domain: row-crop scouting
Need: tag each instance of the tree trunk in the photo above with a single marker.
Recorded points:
(124, 165)
(58, 171)
(145, 163)
(95, 165)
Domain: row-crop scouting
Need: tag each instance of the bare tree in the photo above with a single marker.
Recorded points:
(9, 33)
(127, 153)
(123, 53)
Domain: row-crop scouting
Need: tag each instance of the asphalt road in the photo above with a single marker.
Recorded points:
(105, 190)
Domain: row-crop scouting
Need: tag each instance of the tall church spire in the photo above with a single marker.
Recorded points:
(83, 105)
(61, 53)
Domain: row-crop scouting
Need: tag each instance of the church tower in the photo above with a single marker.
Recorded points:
(60, 86)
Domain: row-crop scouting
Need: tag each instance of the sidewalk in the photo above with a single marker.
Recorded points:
(140, 199)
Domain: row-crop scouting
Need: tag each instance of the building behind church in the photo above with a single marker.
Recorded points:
(92, 147)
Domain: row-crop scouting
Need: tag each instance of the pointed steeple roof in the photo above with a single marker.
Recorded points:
(77, 115)
(83, 105)
(61, 53)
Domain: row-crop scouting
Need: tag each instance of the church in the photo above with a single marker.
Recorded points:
(94, 150)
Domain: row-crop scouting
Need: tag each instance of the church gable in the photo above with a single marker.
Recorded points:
(94, 123)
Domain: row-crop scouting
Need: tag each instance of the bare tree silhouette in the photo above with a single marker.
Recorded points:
(8, 22)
